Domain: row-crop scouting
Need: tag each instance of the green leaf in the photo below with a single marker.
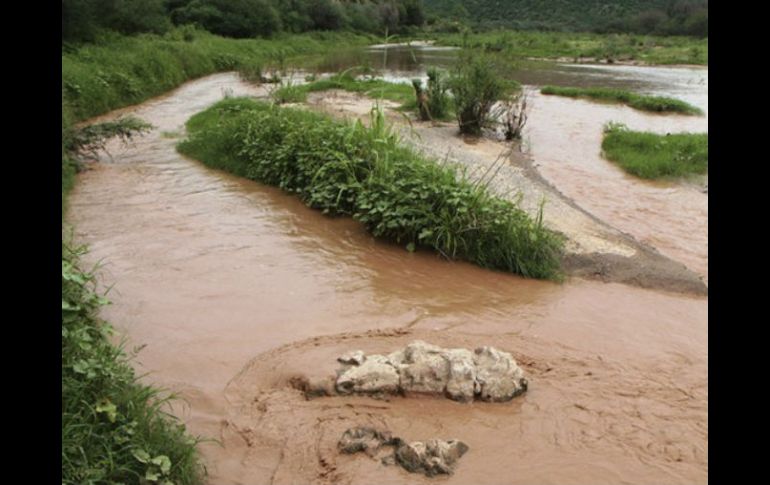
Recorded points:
(163, 462)
(108, 408)
(141, 455)
(410, 247)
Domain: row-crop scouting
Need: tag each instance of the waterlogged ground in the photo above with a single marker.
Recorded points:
(234, 288)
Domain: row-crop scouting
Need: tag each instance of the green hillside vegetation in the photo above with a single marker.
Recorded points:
(661, 17)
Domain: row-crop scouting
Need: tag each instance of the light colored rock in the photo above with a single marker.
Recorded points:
(424, 369)
(461, 384)
(498, 375)
(374, 375)
(487, 374)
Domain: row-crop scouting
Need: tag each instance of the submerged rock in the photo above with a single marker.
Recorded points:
(487, 374)
(368, 440)
(431, 457)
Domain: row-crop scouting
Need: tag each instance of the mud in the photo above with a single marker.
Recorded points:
(237, 292)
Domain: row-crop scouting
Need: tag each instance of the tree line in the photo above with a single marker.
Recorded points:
(82, 20)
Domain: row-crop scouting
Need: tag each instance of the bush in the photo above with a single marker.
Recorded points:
(476, 87)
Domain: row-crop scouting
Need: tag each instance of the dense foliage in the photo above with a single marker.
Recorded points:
(82, 20)
(349, 169)
(662, 17)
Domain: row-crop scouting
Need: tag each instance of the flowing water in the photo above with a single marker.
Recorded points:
(564, 138)
(234, 289)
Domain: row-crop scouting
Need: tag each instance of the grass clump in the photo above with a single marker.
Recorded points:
(114, 429)
(433, 102)
(364, 172)
(657, 104)
(651, 156)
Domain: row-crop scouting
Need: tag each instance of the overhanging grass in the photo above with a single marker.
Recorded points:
(349, 169)
(651, 156)
(114, 429)
(637, 101)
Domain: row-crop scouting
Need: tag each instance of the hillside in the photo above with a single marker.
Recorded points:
(689, 17)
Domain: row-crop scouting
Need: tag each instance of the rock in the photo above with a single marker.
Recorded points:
(430, 457)
(424, 369)
(375, 374)
(487, 374)
(498, 375)
(352, 358)
(368, 440)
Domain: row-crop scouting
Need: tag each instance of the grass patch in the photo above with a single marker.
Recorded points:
(114, 429)
(652, 156)
(349, 169)
(373, 88)
(657, 104)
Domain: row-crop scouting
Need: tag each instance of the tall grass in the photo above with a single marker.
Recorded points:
(114, 429)
(476, 86)
(119, 71)
(364, 172)
(657, 104)
(651, 156)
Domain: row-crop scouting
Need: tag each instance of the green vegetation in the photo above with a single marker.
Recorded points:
(636, 101)
(476, 86)
(85, 20)
(433, 103)
(114, 429)
(651, 156)
(553, 45)
(349, 169)
(120, 71)
(662, 17)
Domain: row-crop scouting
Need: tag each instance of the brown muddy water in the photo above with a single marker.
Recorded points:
(234, 288)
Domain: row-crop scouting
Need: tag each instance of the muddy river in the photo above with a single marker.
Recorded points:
(233, 289)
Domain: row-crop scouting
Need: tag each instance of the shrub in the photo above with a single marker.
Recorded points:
(476, 87)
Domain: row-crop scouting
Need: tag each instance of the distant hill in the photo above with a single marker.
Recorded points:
(688, 17)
